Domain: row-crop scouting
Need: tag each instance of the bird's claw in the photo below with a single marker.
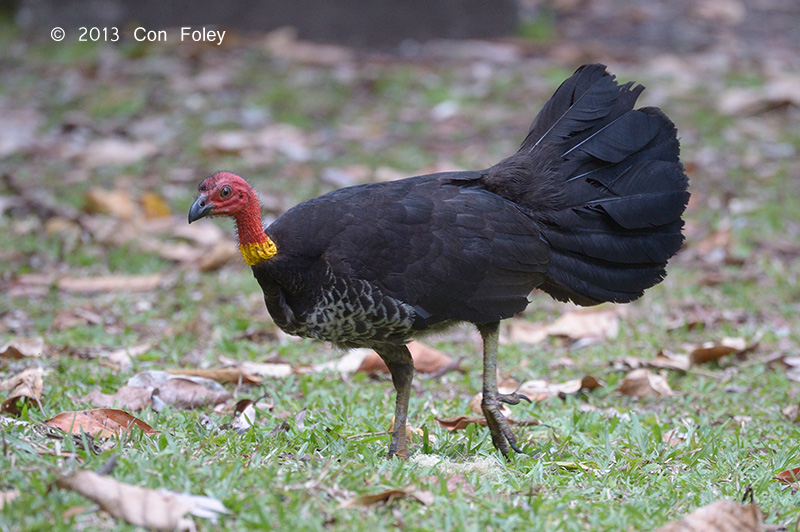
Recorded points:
(499, 427)
(512, 398)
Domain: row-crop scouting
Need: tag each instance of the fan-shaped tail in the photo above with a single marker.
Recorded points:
(606, 185)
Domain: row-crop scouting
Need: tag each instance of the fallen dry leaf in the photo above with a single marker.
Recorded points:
(387, 496)
(117, 203)
(778, 92)
(204, 258)
(67, 319)
(459, 483)
(461, 422)
(154, 206)
(18, 130)
(22, 348)
(792, 367)
(174, 251)
(350, 362)
(537, 390)
(7, 496)
(720, 516)
(116, 152)
(226, 141)
(216, 257)
(117, 358)
(151, 509)
(713, 351)
(180, 391)
(477, 399)
(244, 416)
(229, 375)
(674, 436)
(275, 370)
(714, 248)
(426, 360)
(412, 432)
(520, 331)
(203, 233)
(26, 385)
(199, 505)
(790, 477)
(28, 284)
(581, 324)
(100, 422)
(792, 412)
(127, 397)
(72, 512)
(663, 360)
(263, 145)
(642, 383)
(187, 394)
(666, 360)
(111, 283)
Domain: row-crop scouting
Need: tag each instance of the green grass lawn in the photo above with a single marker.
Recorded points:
(596, 461)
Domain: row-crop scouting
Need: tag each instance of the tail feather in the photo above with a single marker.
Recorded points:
(582, 100)
(604, 242)
(606, 185)
(590, 283)
(647, 195)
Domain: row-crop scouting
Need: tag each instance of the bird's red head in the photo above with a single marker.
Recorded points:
(227, 194)
(222, 194)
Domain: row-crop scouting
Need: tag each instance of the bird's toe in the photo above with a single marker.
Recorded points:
(499, 427)
(512, 398)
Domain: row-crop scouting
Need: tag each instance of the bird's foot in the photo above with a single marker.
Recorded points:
(398, 450)
(502, 437)
(399, 444)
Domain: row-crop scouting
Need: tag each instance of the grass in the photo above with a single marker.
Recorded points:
(598, 461)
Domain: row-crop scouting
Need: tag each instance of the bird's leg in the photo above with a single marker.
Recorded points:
(502, 437)
(401, 366)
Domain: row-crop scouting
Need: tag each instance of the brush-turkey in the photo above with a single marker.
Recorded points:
(588, 210)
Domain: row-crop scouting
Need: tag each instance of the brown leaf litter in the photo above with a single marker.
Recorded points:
(462, 422)
(386, 497)
(144, 507)
(791, 477)
(35, 283)
(179, 391)
(720, 516)
(641, 383)
(426, 360)
(100, 423)
(589, 325)
(18, 348)
(26, 385)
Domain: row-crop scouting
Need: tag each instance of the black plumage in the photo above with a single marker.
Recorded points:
(589, 210)
(446, 250)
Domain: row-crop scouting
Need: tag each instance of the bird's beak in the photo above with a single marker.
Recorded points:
(200, 208)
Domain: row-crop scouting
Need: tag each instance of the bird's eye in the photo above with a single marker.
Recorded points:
(225, 192)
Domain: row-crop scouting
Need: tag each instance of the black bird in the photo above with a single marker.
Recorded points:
(588, 210)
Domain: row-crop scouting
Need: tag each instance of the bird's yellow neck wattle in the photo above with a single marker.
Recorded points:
(254, 244)
(256, 252)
